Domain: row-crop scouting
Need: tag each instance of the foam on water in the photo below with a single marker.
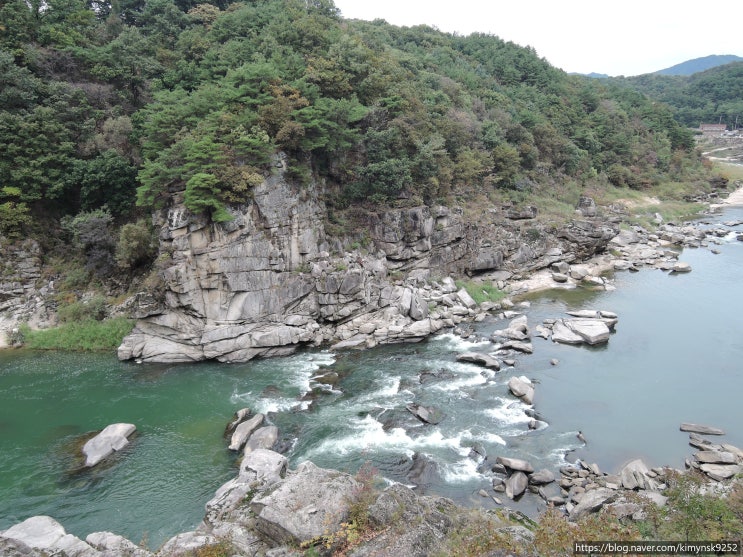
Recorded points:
(368, 434)
(484, 437)
(300, 369)
(468, 375)
(458, 344)
(509, 412)
(462, 471)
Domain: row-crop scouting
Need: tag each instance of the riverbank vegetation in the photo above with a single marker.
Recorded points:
(695, 511)
(86, 335)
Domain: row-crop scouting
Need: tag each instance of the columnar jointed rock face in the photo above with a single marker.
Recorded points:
(264, 283)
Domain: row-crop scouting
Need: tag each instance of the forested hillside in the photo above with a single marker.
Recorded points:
(711, 96)
(108, 109)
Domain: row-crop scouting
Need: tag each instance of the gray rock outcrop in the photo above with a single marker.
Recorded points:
(265, 283)
(46, 535)
(307, 504)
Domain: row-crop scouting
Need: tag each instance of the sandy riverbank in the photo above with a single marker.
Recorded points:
(735, 198)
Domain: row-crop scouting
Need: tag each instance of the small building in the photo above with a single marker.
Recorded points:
(712, 128)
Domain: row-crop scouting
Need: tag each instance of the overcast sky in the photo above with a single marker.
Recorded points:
(627, 37)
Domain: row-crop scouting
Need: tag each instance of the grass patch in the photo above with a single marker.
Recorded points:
(732, 172)
(478, 533)
(481, 292)
(83, 336)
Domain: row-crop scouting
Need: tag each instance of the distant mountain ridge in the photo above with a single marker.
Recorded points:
(684, 68)
(700, 64)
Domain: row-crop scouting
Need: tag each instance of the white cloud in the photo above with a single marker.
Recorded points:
(618, 38)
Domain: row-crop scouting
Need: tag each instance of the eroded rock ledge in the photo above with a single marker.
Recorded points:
(265, 283)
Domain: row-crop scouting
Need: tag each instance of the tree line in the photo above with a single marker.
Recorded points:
(124, 106)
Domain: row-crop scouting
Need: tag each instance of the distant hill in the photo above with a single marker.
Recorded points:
(713, 95)
(700, 64)
(595, 75)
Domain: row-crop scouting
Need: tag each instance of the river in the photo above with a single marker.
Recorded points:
(675, 356)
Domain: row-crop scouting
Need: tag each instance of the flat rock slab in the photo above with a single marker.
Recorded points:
(46, 534)
(592, 501)
(592, 331)
(480, 359)
(721, 472)
(703, 429)
(516, 464)
(243, 431)
(715, 457)
(564, 335)
(428, 415)
(113, 438)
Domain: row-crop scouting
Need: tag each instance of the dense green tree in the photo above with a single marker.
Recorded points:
(194, 98)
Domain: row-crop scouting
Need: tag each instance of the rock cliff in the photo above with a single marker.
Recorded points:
(266, 283)
(20, 298)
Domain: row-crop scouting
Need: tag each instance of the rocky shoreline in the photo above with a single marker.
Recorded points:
(271, 510)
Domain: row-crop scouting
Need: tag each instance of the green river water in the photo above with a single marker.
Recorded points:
(677, 355)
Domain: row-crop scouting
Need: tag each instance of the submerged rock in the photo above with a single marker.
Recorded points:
(703, 429)
(428, 415)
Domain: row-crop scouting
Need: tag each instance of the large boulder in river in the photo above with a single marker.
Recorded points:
(634, 475)
(239, 417)
(522, 388)
(681, 267)
(515, 464)
(516, 484)
(480, 359)
(592, 331)
(243, 431)
(113, 438)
